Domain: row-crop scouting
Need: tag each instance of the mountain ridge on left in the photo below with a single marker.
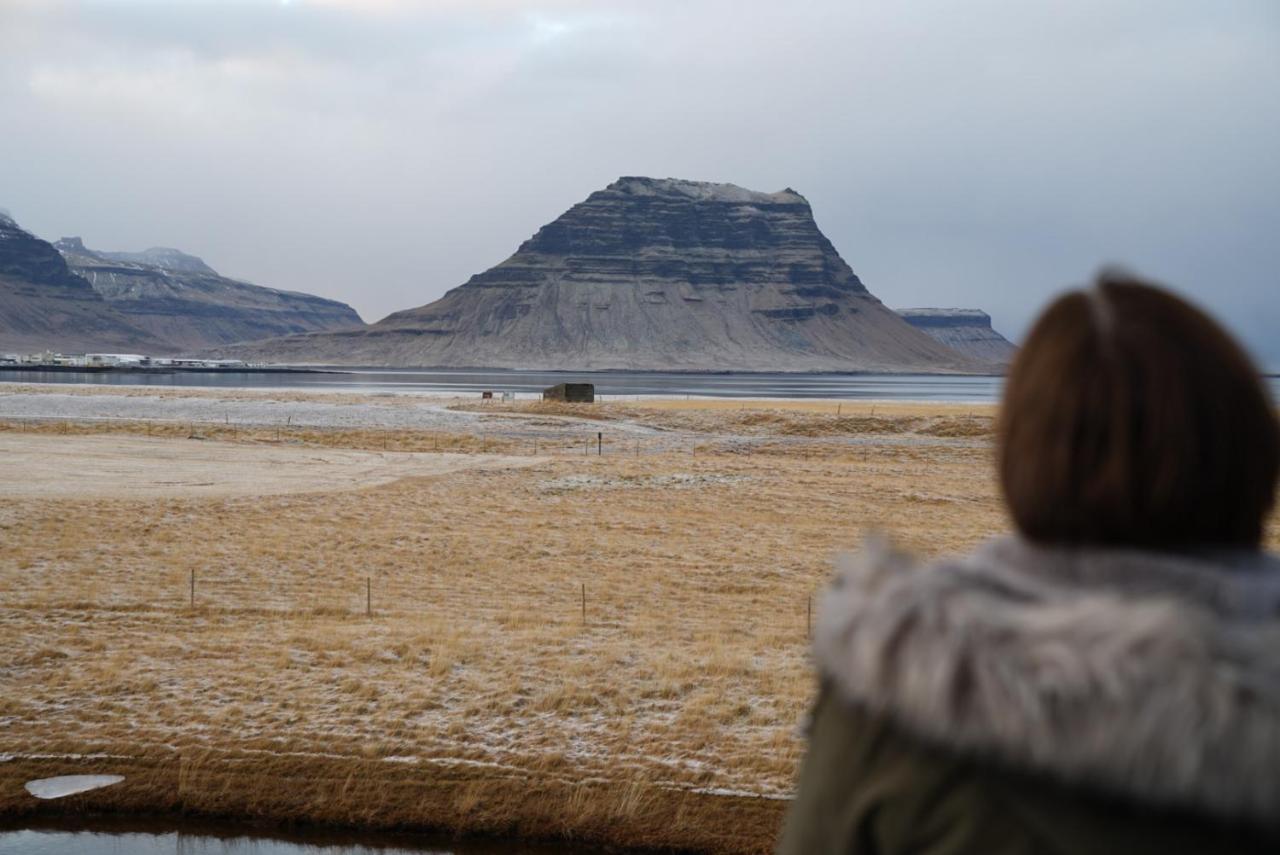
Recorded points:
(178, 297)
(45, 306)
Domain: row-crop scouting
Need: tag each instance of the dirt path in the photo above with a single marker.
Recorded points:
(43, 466)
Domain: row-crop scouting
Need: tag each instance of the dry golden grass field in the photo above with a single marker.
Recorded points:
(608, 648)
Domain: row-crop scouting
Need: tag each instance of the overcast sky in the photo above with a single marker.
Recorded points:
(967, 153)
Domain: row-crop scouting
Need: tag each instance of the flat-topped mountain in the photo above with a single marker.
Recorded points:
(43, 305)
(180, 298)
(652, 274)
(968, 331)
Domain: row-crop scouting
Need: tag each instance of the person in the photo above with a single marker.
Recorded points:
(1106, 679)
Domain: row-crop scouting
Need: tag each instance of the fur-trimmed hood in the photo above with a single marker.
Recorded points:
(1152, 676)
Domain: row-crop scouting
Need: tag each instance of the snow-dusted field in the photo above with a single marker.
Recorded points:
(51, 466)
(609, 646)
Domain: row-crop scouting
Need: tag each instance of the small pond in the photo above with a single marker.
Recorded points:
(133, 837)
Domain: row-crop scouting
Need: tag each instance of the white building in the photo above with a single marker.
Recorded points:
(107, 359)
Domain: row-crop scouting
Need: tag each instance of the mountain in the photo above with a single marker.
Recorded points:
(182, 299)
(651, 274)
(968, 331)
(43, 305)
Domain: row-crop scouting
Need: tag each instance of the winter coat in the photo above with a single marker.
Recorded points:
(1033, 700)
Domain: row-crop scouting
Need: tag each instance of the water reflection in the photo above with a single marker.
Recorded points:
(135, 838)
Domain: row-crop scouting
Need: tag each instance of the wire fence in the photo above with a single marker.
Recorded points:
(687, 597)
(212, 593)
(610, 440)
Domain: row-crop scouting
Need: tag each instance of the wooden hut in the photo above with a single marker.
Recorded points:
(572, 393)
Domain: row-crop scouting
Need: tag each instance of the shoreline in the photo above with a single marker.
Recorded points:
(347, 796)
(474, 404)
(609, 386)
(467, 397)
(569, 372)
(160, 370)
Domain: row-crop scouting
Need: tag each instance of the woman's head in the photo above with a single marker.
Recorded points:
(1131, 418)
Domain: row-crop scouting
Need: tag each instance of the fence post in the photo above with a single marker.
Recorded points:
(368, 596)
(599, 443)
(584, 603)
(193, 587)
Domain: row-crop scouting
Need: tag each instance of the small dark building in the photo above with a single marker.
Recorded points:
(572, 393)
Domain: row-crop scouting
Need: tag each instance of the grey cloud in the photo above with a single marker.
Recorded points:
(984, 153)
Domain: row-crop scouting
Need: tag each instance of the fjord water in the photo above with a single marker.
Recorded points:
(611, 384)
(965, 389)
(136, 838)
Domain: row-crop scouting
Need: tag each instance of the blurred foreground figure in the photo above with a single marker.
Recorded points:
(1105, 681)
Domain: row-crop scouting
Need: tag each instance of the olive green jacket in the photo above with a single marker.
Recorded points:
(1025, 700)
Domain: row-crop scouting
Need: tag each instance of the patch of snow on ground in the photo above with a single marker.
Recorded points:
(69, 785)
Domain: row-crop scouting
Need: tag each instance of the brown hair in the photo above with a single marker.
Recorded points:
(1131, 418)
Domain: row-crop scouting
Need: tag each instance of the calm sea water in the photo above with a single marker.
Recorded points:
(922, 387)
(610, 384)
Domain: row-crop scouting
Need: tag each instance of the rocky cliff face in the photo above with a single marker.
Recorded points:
(968, 331)
(179, 297)
(43, 305)
(652, 274)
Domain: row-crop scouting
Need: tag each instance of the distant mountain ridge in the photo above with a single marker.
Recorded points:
(652, 274)
(44, 306)
(178, 297)
(163, 257)
(967, 331)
